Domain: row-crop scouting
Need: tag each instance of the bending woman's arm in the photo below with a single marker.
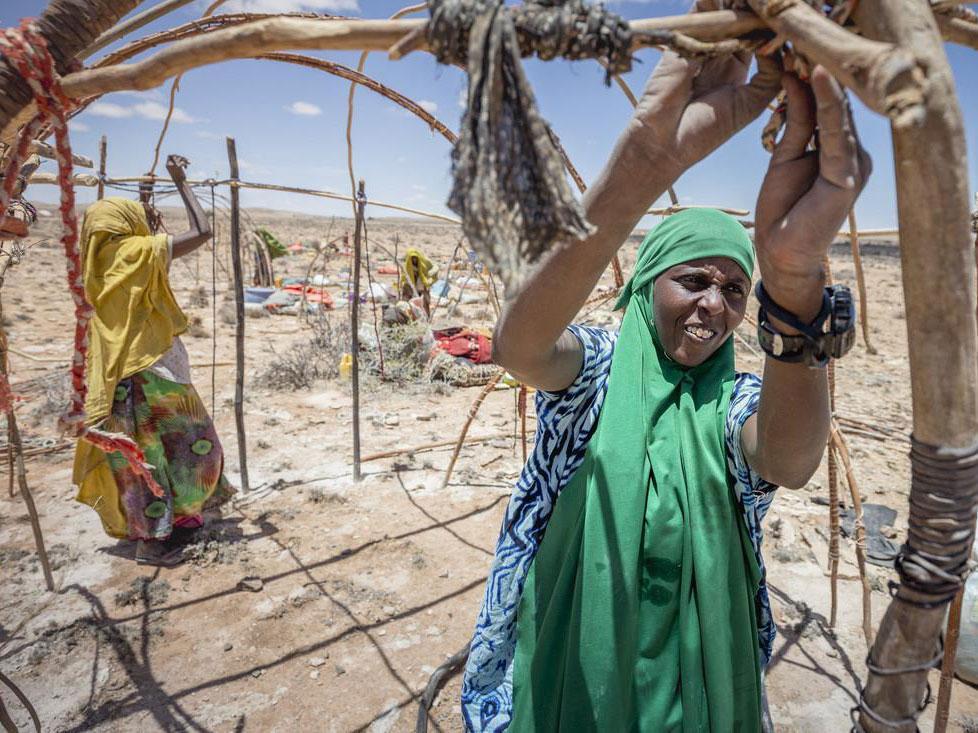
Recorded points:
(687, 110)
(805, 197)
(200, 228)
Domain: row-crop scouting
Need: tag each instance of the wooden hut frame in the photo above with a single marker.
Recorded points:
(896, 66)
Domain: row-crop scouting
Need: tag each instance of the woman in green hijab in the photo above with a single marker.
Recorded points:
(627, 591)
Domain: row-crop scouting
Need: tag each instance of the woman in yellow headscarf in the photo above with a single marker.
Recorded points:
(138, 378)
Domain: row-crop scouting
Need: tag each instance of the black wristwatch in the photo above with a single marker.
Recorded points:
(829, 336)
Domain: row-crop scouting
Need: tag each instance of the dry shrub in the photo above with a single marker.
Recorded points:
(316, 356)
(49, 396)
(227, 313)
(196, 329)
(406, 351)
(199, 297)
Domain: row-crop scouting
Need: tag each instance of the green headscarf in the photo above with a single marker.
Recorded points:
(638, 612)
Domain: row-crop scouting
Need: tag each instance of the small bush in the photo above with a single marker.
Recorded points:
(314, 357)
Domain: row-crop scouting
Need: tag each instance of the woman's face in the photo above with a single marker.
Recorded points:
(698, 304)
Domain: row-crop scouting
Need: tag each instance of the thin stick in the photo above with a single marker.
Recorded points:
(132, 24)
(373, 301)
(213, 305)
(676, 207)
(349, 104)
(833, 471)
(857, 262)
(833, 512)
(354, 326)
(430, 447)
(13, 436)
(490, 386)
(839, 444)
(5, 720)
(239, 331)
(943, 711)
(582, 187)
(46, 450)
(17, 446)
(438, 677)
(357, 77)
(23, 700)
(340, 197)
(174, 88)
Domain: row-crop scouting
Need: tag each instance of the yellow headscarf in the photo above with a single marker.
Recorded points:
(417, 270)
(136, 316)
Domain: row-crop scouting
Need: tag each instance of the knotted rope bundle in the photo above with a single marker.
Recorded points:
(28, 52)
(509, 185)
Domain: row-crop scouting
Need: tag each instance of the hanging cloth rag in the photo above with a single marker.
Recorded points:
(638, 611)
(510, 187)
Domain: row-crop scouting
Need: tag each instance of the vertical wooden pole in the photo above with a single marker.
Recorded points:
(936, 251)
(355, 325)
(13, 435)
(833, 477)
(17, 448)
(947, 668)
(239, 331)
(213, 304)
(103, 150)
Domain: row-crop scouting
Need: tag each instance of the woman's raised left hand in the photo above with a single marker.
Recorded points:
(807, 194)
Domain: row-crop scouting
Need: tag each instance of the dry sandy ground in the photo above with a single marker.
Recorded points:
(364, 588)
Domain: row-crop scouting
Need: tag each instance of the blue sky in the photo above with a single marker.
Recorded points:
(289, 122)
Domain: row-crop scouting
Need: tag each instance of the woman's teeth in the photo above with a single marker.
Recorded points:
(703, 334)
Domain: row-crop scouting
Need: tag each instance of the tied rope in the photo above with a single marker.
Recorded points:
(28, 52)
(509, 185)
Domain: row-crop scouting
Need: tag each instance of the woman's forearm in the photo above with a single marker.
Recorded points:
(535, 316)
(199, 230)
(793, 417)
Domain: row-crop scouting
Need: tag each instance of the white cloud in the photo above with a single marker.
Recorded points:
(107, 109)
(77, 126)
(428, 106)
(151, 94)
(305, 109)
(208, 135)
(148, 110)
(292, 6)
(463, 98)
(157, 111)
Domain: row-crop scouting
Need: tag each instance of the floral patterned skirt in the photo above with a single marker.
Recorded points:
(171, 425)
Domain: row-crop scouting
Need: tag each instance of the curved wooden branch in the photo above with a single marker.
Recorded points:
(69, 26)
(957, 30)
(345, 72)
(132, 24)
(199, 47)
(885, 77)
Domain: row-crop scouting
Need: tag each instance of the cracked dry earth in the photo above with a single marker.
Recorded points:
(317, 604)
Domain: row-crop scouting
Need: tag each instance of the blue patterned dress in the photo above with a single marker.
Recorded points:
(565, 423)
